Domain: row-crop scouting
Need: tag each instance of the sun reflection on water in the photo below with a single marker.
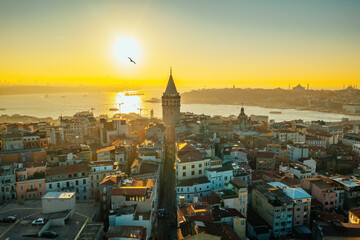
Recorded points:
(128, 104)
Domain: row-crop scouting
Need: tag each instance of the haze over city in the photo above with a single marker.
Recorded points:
(257, 44)
(179, 120)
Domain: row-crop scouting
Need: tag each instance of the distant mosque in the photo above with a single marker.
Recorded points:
(300, 88)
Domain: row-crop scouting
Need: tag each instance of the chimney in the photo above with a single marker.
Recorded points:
(181, 201)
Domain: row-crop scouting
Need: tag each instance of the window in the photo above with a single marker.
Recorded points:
(84, 181)
(193, 173)
(50, 186)
(200, 165)
(92, 178)
(58, 185)
(184, 174)
(200, 171)
(77, 182)
(39, 185)
(22, 188)
(193, 166)
(184, 167)
(84, 189)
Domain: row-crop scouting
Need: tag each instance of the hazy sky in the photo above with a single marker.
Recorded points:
(208, 43)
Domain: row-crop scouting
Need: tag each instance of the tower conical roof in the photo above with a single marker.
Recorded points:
(170, 88)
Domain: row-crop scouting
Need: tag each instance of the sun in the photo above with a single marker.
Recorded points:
(124, 48)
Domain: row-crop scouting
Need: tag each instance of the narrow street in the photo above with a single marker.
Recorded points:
(167, 200)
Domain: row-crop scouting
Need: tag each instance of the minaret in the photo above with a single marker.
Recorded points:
(171, 109)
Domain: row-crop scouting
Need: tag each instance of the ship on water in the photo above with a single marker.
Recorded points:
(133, 93)
(275, 112)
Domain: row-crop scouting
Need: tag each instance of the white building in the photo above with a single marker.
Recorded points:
(314, 141)
(242, 171)
(129, 216)
(190, 188)
(219, 175)
(110, 129)
(285, 136)
(299, 170)
(235, 154)
(148, 151)
(72, 178)
(274, 148)
(356, 148)
(351, 139)
(53, 202)
(240, 187)
(297, 151)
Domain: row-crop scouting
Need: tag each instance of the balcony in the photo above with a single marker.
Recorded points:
(31, 190)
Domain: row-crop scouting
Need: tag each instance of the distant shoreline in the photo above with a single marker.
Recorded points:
(324, 101)
(282, 108)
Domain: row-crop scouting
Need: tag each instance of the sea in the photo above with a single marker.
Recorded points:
(67, 104)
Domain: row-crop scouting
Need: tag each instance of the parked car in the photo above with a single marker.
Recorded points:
(161, 212)
(39, 221)
(50, 234)
(9, 219)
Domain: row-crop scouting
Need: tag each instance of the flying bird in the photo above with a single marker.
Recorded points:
(131, 60)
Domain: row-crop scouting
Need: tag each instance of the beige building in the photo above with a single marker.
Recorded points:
(54, 202)
(98, 171)
(142, 193)
(191, 167)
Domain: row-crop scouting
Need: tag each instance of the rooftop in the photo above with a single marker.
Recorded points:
(194, 181)
(347, 182)
(238, 183)
(133, 232)
(128, 191)
(69, 169)
(293, 193)
(111, 180)
(170, 88)
(275, 196)
(58, 195)
(101, 150)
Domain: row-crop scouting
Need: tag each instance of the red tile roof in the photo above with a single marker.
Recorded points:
(70, 169)
(191, 156)
(128, 191)
(112, 180)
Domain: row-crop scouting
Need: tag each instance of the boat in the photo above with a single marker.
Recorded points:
(113, 109)
(153, 100)
(133, 93)
(275, 112)
(2, 109)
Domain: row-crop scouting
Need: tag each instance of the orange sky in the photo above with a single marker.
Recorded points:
(207, 43)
